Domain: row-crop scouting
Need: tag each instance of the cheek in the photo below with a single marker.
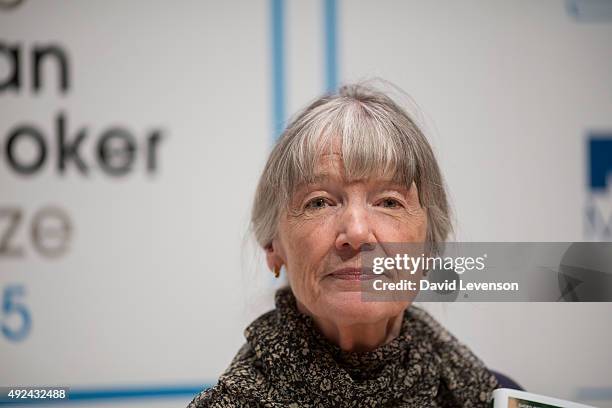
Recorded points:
(308, 244)
(402, 228)
(308, 240)
(418, 232)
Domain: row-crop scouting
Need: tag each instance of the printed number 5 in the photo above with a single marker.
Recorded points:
(11, 307)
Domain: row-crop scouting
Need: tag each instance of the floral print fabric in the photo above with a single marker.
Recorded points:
(286, 362)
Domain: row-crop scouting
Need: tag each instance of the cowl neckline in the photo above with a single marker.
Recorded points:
(286, 362)
(359, 365)
(295, 355)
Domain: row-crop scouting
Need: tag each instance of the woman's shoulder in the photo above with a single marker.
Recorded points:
(228, 392)
(441, 338)
(214, 397)
(458, 360)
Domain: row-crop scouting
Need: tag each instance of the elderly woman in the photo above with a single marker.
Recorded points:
(350, 171)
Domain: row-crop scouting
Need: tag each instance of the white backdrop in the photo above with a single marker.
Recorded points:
(156, 279)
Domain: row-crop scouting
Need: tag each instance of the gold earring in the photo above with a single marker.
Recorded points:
(277, 271)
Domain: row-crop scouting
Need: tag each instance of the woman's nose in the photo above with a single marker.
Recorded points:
(354, 229)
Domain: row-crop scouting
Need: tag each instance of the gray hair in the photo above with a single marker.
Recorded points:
(379, 139)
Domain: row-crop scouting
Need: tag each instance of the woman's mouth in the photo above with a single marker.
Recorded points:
(353, 274)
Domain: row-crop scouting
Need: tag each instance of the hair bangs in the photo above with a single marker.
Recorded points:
(369, 144)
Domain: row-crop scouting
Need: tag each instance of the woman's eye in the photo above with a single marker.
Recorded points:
(390, 203)
(317, 203)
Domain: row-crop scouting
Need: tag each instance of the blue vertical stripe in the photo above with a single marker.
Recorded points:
(331, 44)
(278, 65)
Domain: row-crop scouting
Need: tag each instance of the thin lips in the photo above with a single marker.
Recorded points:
(352, 271)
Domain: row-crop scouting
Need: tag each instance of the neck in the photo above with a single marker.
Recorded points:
(358, 337)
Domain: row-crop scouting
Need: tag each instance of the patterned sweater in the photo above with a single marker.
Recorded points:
(286, 362)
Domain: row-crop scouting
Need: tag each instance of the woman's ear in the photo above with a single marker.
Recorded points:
(273, 256)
